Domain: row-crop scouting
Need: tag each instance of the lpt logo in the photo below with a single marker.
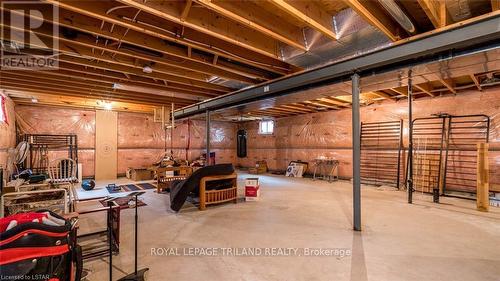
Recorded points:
(29, 35)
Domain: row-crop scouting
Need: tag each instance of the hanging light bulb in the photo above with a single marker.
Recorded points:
(108, 105)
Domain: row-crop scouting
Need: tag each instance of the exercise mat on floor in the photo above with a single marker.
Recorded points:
(132, 187)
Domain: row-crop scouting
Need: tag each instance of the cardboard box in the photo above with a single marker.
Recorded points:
(141, 174)
(260, 168)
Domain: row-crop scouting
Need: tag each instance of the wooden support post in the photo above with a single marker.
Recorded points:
(483, 178)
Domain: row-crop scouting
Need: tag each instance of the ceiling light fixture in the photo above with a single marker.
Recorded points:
(108, 105)
(147, 69)
(34, 100)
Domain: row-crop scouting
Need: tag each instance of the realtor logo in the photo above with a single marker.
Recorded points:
(29, 35)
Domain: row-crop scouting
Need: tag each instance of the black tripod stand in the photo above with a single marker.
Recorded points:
(137, 275)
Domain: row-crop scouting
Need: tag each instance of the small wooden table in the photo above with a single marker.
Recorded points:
(163, 180)
(208, 197)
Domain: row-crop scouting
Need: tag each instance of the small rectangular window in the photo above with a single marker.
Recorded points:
(266, 127)
(3, 110)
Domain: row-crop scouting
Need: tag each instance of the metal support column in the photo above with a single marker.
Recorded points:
(409, 184)
(356, 154)
(207, 113)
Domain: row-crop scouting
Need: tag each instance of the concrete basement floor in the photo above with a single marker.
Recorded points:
(423, 241)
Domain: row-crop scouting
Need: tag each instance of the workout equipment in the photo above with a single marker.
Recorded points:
(241, 143)
(88, 184)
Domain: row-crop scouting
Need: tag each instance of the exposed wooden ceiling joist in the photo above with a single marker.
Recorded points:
(435, 11)
(78, 93)
(476, 82)
(83, 85)
(209, 23)
(47, 85)
(89, 77)
(296, 108)
(310, 13)
(274, 113)
(402, 91)
(383, 95)
(166, 63)
(97, 9)
(426, 88)
(287, 110)
(336, 101)
(107, 63)
(251, 16)
(26, 98)
(323, 104)
(448, 83)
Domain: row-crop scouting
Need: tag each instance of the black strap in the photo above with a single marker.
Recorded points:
(78, 259)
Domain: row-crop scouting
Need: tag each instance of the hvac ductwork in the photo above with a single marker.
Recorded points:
(395, 11)
(354, 37)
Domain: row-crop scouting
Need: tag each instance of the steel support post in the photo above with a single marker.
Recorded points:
(356, 154)
(409, 185)
(207, 113)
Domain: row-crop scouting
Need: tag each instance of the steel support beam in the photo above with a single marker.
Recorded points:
(356, 154)
(409, 185)
(459, 40)
(207, 115)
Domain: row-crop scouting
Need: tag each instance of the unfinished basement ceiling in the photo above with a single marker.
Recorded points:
(477, 72)
(143, 54)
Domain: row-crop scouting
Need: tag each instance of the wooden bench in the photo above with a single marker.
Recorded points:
(208, 197)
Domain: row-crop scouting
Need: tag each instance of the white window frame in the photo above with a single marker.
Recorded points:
(266, 127)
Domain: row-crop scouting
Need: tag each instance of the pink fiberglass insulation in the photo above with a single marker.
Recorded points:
(141, 141)
(62, 121)
(7, 131)
(306, 137)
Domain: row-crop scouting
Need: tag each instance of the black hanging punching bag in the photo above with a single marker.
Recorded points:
(242, 143)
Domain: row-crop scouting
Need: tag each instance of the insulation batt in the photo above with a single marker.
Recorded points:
(141, 141)
(302, 137)
(306, 137)
(7, 132)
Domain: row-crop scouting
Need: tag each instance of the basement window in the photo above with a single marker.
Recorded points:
(266, 127)
(3, 110)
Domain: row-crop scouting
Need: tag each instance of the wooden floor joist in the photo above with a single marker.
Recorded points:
(193, 50)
